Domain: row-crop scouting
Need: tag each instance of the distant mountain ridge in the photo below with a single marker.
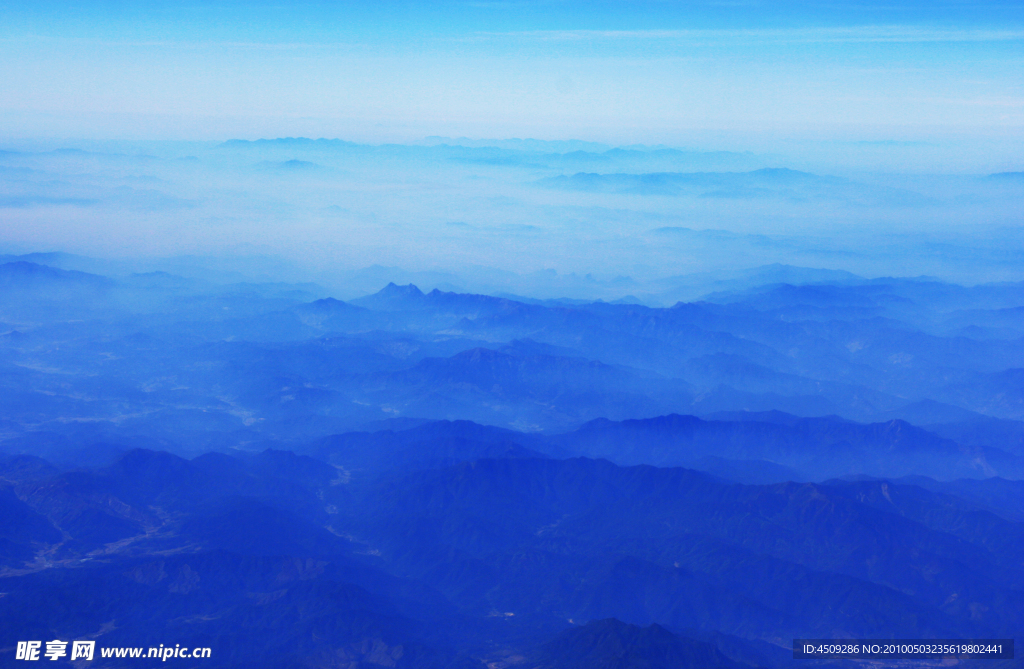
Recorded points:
(676, 183)
(766, 182)
(818, 448)
(29, 275)
(754, 448)
(611, 644)
(869, 350)
(288, 141)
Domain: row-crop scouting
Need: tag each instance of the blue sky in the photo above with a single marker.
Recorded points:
(715, 73)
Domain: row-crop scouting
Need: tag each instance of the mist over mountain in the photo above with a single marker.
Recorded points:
(138, 353)
(765, 183)
(496, 217)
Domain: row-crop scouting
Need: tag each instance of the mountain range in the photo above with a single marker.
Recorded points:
(440, 479)
(444, 552)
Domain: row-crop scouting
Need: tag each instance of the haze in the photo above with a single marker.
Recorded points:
(900, 113)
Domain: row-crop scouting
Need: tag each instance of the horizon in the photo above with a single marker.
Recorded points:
(802, 78)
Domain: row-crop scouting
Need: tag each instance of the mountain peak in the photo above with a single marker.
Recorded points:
(329, 304)
(393, 297)
(394, 290)
(613, 643)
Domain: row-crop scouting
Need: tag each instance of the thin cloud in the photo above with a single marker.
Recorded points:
(779, 35)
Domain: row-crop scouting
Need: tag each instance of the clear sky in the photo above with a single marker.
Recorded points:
(728, 74)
